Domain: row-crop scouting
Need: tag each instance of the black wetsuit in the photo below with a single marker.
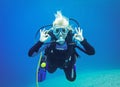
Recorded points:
(64, 59)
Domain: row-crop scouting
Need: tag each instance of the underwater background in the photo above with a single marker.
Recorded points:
(100, 21)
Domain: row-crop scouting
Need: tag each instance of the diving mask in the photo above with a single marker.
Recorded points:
(60, 34)
(57, 31)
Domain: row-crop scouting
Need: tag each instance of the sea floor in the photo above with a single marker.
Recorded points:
(106, 78)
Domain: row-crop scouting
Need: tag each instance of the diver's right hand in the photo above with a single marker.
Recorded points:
(44, 36)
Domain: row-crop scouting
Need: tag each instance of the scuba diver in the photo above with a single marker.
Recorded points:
(58, 46)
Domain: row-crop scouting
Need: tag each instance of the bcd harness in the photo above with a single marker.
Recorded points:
(70, 53)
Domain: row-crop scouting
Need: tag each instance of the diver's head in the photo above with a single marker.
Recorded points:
(60, 27)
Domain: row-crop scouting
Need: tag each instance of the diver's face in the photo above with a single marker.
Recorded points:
(60, 34)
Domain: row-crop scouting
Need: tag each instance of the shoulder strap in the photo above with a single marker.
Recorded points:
(80, 49)
(69, 37)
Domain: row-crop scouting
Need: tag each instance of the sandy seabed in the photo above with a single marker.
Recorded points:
(106, 78)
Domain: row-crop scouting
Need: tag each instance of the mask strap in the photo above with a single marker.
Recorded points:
(75, 21)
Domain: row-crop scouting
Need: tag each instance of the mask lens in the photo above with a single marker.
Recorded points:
(63, 30)
(57, 30)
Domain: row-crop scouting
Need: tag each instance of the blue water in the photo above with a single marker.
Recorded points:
(20, 19)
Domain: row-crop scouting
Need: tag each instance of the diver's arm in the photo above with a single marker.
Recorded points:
(43, 42)
(88, 49)
(35, 49)
(80, 40)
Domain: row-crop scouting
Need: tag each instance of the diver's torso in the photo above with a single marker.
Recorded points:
(57, 56)
(55, 53)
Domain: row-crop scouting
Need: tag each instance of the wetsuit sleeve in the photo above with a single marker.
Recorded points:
(35, 48)
(88, 49)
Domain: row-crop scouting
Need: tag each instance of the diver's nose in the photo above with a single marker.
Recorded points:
(60, 33)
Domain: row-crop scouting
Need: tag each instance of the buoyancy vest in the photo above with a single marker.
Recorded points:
(69, 55)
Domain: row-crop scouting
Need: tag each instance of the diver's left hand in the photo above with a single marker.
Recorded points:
(78, 35)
